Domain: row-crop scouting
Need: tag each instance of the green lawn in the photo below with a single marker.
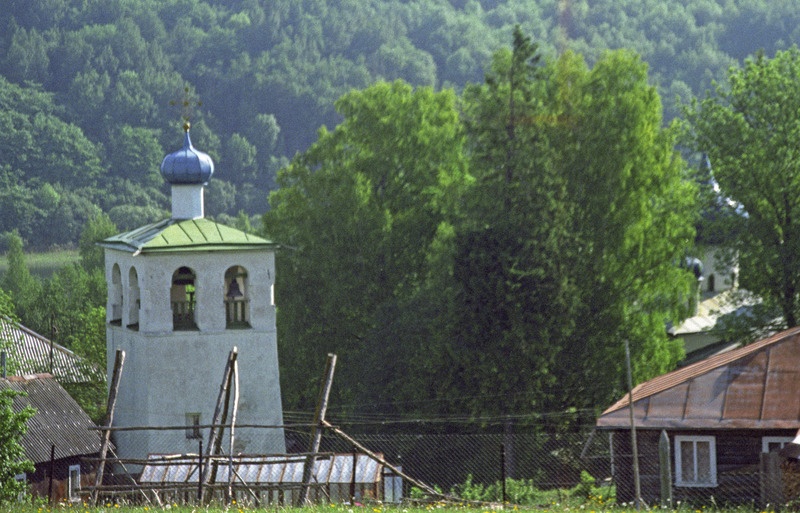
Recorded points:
(45, 264)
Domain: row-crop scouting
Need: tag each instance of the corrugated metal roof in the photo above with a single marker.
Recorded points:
(332, 469)
(184, 235)
(58, 419)
(753, 387)
(31, 353)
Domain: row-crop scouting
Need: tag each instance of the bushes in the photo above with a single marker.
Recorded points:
(523, 492)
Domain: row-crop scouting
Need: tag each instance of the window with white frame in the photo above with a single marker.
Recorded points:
(695, 461)
(22, 478)
(74, 482)
(774, 443)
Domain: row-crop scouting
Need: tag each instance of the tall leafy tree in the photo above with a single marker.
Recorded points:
(17, 280)
(515, 299)
(360, 210)
(580, 216)
(749, 128)
(634, 212)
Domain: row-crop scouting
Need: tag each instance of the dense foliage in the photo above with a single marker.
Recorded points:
(472, 263)
(91, 92)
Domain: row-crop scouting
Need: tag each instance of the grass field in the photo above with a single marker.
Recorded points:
(45, 264)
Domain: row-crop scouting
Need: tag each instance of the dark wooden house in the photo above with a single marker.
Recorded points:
(720, 415)
(58, 440)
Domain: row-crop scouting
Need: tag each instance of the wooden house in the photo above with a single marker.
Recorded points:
(58, 440)
(720, 415)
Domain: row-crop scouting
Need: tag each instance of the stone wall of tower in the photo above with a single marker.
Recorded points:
(170, 373)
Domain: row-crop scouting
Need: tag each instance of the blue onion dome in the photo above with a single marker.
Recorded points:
(187, 165)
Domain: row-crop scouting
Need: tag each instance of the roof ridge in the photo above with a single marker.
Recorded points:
(29, 377)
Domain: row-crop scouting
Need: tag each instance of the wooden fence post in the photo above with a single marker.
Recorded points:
(770, 480)
(665, 470)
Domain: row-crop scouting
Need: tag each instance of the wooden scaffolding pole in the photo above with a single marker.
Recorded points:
(429, 490)
(119, 359)
(220, 412)
(316, 429)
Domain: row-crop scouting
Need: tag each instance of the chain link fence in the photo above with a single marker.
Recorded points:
(465, 465)
(530, 468)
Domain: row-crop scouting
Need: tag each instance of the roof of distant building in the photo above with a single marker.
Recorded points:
(711, 310)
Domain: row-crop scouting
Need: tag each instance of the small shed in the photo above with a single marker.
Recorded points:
(59, 437)
(720, 414)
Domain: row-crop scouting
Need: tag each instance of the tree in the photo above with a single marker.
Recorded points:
(89, 341)
(516, 300)
(96, 229)
(13, 425)
(749, 130)
(634, 220)
(63, 301)
(360, 210)
(17, 280)
(577, 223)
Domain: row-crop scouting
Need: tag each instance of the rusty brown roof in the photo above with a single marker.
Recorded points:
(753, 387)
(58, 419)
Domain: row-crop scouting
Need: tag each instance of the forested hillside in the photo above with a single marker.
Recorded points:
(91, 91)
(481, 199)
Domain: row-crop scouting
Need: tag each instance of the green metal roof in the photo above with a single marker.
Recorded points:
(179, 235)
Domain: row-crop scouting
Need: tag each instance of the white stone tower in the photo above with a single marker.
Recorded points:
(181, 294)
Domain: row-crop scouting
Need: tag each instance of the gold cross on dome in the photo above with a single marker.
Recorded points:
(186, 103)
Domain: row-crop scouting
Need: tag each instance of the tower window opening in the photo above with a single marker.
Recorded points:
(115, 294)
(237, 304)
(182, 299)
(134, 303)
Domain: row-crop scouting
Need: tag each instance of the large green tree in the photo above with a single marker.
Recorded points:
(515, 299)
(358, 213)
(634, 213)
(749, 128)
(579, 218)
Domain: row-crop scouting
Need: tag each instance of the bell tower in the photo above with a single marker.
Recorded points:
(182, 293)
